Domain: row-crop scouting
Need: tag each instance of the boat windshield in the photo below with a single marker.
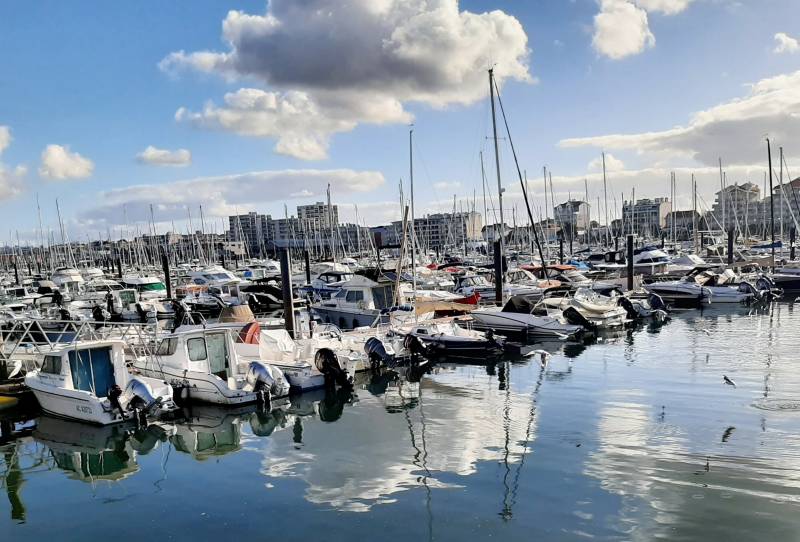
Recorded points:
(153, 287)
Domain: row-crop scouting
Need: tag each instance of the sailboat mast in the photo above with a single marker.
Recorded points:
(413, 232)
(605, 199)
(498, 279)
(771, 203)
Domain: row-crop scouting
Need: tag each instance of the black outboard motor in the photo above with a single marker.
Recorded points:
(376, 352)
(656, 302)
(630, 310)
(328, 364)
(572, 316)
(415, 347)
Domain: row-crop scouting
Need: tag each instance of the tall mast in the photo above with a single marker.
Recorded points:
(498, 279)
(771, 203)
(722, 195)
(605, 198)
(330, 225)
(413, 232)
(783, 196)
(694, 213)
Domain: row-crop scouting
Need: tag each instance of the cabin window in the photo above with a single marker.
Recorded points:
(92, 370)
(167, 347)
(341, 293)
(217, 354)
(354, 296)
(383, 296)
(197, 349)
(52, 365)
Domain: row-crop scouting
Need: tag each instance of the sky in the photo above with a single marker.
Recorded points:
(258, 106)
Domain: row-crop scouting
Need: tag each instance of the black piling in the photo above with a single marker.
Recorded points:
(307, 259)
(792, 236)
(16, 271)
(165, 268)
(498, 274)
(561, 249)
(286, 286)
(629, 261)
(730, 246)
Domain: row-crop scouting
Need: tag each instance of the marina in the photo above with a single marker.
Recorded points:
(407, 270)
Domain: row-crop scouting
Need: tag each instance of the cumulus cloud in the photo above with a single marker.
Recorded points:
(612, 163)
(785, 43)
(11, 179)
(162, 157)
(223, 195)
(732, 130)
(5, 138)
(621, 29)
(59, 163)
(329, 67)
(667, 7)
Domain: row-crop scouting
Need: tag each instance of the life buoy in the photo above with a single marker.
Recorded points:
(250, 333)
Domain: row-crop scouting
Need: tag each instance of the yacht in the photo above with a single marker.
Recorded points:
(68, 279)
(89, 381)
(359, 302)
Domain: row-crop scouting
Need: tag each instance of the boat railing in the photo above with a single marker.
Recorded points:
(26, 338)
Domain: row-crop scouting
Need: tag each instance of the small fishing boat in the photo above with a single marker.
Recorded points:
(203, 365)
(89, 381)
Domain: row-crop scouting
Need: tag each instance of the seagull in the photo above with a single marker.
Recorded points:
(728, 381)
(544, 356)
(707, 332)
(707, 358)
(727, 434)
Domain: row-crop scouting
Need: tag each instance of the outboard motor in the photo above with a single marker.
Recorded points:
(137, 397)
(573, 316)
(747, 288)
(266, 380)
(630, 310)
(328, 364)
(141, 312)
(376, 352)
(415, 347)
(656, 302)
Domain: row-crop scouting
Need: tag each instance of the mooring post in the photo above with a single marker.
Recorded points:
(792, 234)
(165, 268)
(498, 273)
(730, 246)
(307, 259)
(629, 261)
(561, 250)
(286, 286)
(119, 267)
(16, 271)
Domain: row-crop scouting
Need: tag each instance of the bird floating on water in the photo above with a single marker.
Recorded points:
(728, 381)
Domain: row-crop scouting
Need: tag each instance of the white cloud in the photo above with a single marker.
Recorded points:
(330, 67)
(5, 138)
(785, 43)
(447, 185)
(59, 163)
(612, 163)
(666, 7)
(621, 29)
(224, 195)
(11, 179)
(162, 157)
(732, 130)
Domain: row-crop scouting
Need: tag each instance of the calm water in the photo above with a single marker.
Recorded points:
(632, 438)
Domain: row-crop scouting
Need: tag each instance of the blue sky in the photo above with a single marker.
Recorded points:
(86, 76)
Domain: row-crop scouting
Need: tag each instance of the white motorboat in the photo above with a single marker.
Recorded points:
(89, 381)
(358, 303)
(203, 365)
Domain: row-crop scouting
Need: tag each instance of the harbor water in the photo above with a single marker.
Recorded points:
(632, 437)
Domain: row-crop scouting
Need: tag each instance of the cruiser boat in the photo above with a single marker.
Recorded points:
(602, 312)
(67, 279)
(359, 302)
(89, 381)
(680, 293)
(444, 338)
(203, 365)
(147, 287)
(516, 318)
